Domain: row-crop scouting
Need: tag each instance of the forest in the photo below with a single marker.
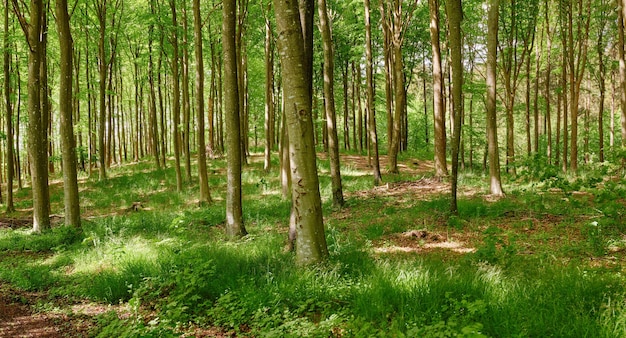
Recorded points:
(322, 168)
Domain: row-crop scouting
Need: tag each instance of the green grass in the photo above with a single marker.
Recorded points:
(546, 263)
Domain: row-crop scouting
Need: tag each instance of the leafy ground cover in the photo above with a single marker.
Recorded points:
(546, 260)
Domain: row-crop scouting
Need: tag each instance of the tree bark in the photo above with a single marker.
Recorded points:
(68, 143)
(37, 123)
(154, 131)
(441, 167)
(306, 201)
(203, 179)
(234, 215)
(455, 14)
(101, 7)
(492, 127)
(329, 103)
(176, 137)
(370, 107)
(10, 153)
(621, 26)
(186, 135)
(269, 92)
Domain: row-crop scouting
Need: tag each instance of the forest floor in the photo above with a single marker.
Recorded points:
(396, 218)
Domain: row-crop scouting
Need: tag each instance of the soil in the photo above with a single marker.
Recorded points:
(18, 319)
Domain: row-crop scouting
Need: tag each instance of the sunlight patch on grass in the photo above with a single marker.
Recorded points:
(116, 251)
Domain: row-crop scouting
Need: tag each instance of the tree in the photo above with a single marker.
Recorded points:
(576, 53)
(186, 139)
(37, 123)
(234, 215)
(154, 129)
(310, 241)
(9, 111)
(176, 97)
(518, 27)
(68, 143)
(441, 167)
(492, 127)
(455, 14)
(329, 103)
(205, 193)
(103, 66)
(269, 90)
(370, 107)
(621, 26)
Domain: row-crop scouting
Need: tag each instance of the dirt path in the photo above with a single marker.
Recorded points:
(17, 318)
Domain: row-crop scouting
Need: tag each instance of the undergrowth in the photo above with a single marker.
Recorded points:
(546, 259)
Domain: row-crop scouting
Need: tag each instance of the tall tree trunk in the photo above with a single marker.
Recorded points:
(441, 167)
(455, 15)
(357, 71)
(154, 126)
(176, 98)
(329, 103)
(203, 178)
(234, 215)
(538, 52)
(101, 7)
(621, 26)
(346, 113)
(269, 91)
(68, 143)
(370, 107)
(548, 89)
(241, 17)
(492, 127)
(398, 86)
(297, 81)
(602, 84)
(37, 123)
(186, 101)
(9, 112)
